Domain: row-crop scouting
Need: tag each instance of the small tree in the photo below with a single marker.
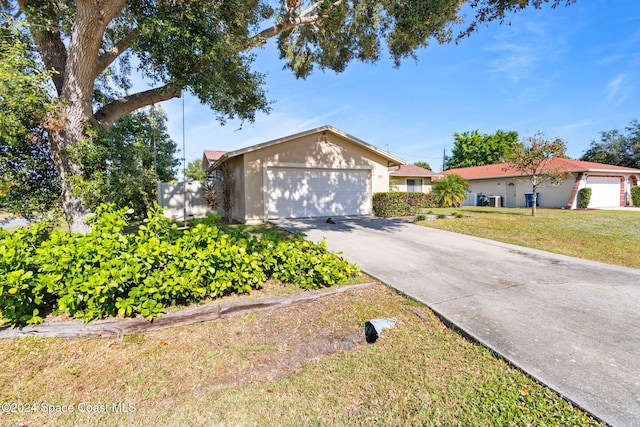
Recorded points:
(224, 187)
(450, 191)
(534, 160)
(194, 171)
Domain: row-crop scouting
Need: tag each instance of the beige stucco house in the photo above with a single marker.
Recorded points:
(610, 185)
(316, 173)
(411, 178)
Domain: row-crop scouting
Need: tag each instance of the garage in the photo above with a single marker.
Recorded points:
(605, 192)
(293, 192)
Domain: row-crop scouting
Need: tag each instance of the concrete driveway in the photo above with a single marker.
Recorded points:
(572, 324)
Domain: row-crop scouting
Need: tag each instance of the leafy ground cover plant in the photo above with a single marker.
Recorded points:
(107, 272)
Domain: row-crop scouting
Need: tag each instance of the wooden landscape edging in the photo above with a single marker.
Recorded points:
(111, 328)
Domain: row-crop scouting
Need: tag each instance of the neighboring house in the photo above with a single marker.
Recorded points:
(611, 185)
(316, 173)
(210, 157)
(412, 179)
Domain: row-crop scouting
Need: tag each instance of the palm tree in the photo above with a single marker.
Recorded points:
(450, 191)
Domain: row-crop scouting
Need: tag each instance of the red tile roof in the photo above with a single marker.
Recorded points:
(411, 170)
(564, 165)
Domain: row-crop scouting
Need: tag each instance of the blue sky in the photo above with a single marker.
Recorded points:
(569, 72)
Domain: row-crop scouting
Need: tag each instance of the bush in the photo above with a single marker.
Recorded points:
(107, 272)
(400, 204)
(635, 195)
(584, 197)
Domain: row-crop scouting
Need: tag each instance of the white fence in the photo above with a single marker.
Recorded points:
(183, 199)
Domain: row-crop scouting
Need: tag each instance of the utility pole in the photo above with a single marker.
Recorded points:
(444, 158)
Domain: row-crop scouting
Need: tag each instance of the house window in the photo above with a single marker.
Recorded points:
(414, 186)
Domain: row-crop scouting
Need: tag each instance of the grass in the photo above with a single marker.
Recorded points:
(305, 365)
(607, 236)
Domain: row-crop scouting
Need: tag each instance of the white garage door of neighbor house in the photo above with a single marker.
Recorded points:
(605, 192)
(311, 192)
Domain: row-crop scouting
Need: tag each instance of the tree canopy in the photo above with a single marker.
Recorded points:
(423, 165)
(30, 183)
(194, 170)
(474, 149)
(204, 46)
(616, 147)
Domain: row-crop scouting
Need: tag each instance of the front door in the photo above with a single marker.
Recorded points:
(511, 195)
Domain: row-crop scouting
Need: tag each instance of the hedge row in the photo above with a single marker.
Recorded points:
(107, 272)
(400, 204)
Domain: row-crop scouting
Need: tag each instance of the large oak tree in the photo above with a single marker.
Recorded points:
(204, 46)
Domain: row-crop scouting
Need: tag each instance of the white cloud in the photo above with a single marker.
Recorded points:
(616, 90)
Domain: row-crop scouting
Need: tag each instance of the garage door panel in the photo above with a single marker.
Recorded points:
(605, 192)
(299, 193)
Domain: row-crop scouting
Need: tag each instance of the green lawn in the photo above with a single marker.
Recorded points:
(306, 365)
(606, 236)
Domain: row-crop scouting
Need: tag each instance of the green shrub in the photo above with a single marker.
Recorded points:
(584, 197)
(108, 272)
(400, 204)
(635, 195)
(23, 298)
(420, 218)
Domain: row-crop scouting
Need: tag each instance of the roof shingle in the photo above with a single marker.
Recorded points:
(411, 170)
(564, 165)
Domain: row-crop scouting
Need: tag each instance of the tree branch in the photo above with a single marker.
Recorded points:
(116, 50)
(112, 112)
(303, 18)
(51, 48)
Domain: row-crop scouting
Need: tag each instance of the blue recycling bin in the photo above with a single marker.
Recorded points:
(528, 199)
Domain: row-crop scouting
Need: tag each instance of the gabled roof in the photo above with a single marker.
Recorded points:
(228, 155)
(411, 170)
(210, 157)
(213, 155)
(556, 164)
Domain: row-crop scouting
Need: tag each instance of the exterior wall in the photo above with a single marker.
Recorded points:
(401, 183)
(316, 150)
(550, 196)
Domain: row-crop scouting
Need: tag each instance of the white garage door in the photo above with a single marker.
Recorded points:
(304, 192)
(605, 192)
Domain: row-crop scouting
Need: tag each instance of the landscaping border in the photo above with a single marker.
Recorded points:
(118, 327)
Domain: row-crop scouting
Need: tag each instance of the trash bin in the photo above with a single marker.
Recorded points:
(528, 199)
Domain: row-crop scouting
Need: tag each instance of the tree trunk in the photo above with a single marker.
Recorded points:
(63, 151)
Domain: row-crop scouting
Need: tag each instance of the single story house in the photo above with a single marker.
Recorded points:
(610, 185)
(412, 179)
(315, 173)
